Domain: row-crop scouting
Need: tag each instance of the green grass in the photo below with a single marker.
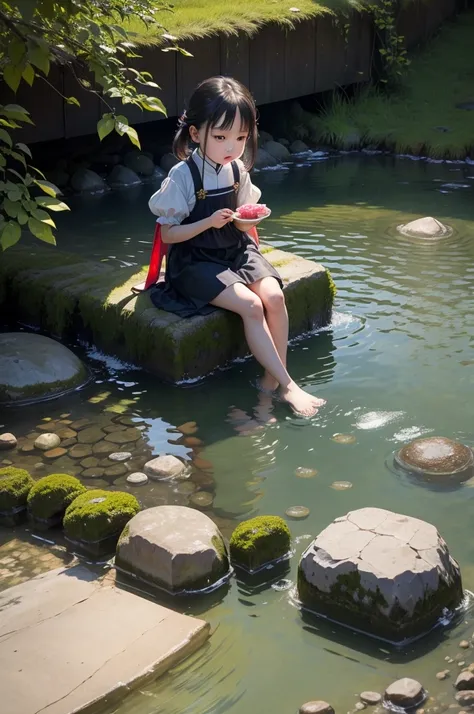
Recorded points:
(200, 18)
(422, 117)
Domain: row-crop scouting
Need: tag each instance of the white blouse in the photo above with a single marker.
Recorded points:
(175, 199)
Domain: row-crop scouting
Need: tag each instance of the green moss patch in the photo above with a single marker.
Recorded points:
(15, 484)
(99, 514)
(52, 494)
(259, 541)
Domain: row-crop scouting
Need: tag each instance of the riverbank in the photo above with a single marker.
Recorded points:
(431, 115)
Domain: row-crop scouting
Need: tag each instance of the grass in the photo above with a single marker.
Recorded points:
(200, 18)
(422, 117)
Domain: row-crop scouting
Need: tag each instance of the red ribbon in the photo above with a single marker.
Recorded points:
(159, 250)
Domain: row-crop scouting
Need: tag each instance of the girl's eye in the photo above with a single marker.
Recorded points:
(219, 137)
(242, 138)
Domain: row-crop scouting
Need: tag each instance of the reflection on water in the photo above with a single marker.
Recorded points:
(397, 362)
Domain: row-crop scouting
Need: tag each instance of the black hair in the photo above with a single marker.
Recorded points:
(212, 100)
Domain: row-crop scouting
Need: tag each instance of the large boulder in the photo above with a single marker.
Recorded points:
(87, 181)
(428, 228)
(167, 162)
(381, 572)
(123, 177)
(34, 367)
(264, 159)
(278, 151)
(173, 547)
(139, 163)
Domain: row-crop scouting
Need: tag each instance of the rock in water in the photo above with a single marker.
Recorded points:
(316, 707)
(278, 151)
(139, 163)
(123, 177)
(264, 159)
(173, 547)
(33, 367)
(298, 147)
(436, 457)
(405, 693)
(465, 681)
(7, 441)
(428, 228)
(45, 442)
(87, 181)
(164, 467)
(381, 572)
(371, 698)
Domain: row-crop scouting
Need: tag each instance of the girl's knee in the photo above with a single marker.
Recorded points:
(252, 308)
(274, 300)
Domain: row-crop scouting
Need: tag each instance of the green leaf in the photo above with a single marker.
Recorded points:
(41, 230)
(19, 157)
(105, 126)
(12, 76)
(24, 148)
(11, 208)
(5, 137)
(16, 50)
(153, 104)
(14, 111)
(43, 216)
(53, 204)
(122, 129)
(39, 56)
(48, 188)
(73, 100)
(29, 74)
(10, 235)
(22, 217)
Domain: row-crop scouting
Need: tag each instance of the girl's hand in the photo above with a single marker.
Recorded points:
(221, 217)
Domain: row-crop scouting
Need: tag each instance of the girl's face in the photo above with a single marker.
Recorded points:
(222, 145)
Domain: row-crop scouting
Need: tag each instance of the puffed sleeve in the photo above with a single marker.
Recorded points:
(248, 193)
(172, 202)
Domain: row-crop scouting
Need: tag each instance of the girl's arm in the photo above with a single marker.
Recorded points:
(181, 233)
(248, 193)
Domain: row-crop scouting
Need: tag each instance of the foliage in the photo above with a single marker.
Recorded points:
(15, 485)
(393, 54)
(98, 514)
(87, 37)
(52, 494)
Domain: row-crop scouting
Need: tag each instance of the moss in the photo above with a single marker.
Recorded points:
(52, 494)
(15, 484)
(98, 514)
(259, 540)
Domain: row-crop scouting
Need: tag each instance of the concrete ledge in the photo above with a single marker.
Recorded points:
(70, 297)
(68, 640)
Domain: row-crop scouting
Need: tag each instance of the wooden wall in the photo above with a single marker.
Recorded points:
(276, 64)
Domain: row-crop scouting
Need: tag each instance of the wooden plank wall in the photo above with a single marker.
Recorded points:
(276, 64)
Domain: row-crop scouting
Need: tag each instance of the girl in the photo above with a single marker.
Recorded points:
(212, 262)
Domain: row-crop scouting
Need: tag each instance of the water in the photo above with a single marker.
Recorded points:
(397, 362)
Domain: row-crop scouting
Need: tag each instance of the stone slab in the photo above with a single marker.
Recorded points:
(70, 297)
(68, 639)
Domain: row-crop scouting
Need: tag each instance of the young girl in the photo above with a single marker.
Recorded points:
(212, 262)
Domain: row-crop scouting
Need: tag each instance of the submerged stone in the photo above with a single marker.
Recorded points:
(34, 367)
(201, 499)
(173, 547)
(387, 574)
(428, 228)
(316, 707)
(137, 478)
(297, 512)
(259, 541)
(436, 457)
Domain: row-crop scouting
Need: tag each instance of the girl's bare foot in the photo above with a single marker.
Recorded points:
(300, 401)
(267, 383)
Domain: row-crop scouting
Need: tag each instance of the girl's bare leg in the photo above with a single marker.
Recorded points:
(276, 315)
(239, 299)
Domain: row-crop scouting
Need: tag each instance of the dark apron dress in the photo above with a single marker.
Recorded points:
(199, 269)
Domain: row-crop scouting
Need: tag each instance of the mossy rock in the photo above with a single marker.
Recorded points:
(15, 484)
(96, 515)
(51, 495)
(259, 541)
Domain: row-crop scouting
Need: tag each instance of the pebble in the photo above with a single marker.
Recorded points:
(461, 663)
(203, 464)
(102, 447)
(190, 427)
(81, 424)
(341, 485)
(316, 707)
(360, 706)
(93, 473)
(90, 462)
(90, 435)
(371, 698)
(55, 453)
(7, 441)
(45, 442)
(137, 478)
(123, 437)
(7, 462)
(39, 466)
(464, 644)
(192, 441)
(185, 487)
(115, 471)
(45, 427)
(201, 499)
(80, 451)
(164, 467)
(299, 512)
(442, 675)
(27, 448)
(114, 427)
(66, 433)
(304, 472)
(120, 456)
(68, 442)
(344, 438)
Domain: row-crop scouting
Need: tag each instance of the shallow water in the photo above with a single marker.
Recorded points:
(397, 362)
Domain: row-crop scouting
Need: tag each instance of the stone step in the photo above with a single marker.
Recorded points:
(69, 296)
(69, 639)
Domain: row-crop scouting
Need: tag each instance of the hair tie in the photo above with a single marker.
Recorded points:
(182, 121)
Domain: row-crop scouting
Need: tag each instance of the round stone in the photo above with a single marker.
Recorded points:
(27, 448)
(91, 462)
(464, 645)
(192, 441)
(124, 437)
(360, 706)
(45, 442)
(341, 485)
(371, 698)
(39, 466)
(201, 499)
(55, 453)
(185, 487)
(95, 472)
(297, 512)
(427, 228)
(80, 451)
(81, 424)
(33, 366)
(465, 698)
(102, 448)
(436, 456)
(116, 471)
(316, 707)
(465, 681)
(120, 456)
(137, 478)
(441, 676)
(203, 464)
(405, 693)
(7, 441)
(90, 435)
(164, 467)
(388, 558)
(344, 438)
(66, 433)
(304, 472)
